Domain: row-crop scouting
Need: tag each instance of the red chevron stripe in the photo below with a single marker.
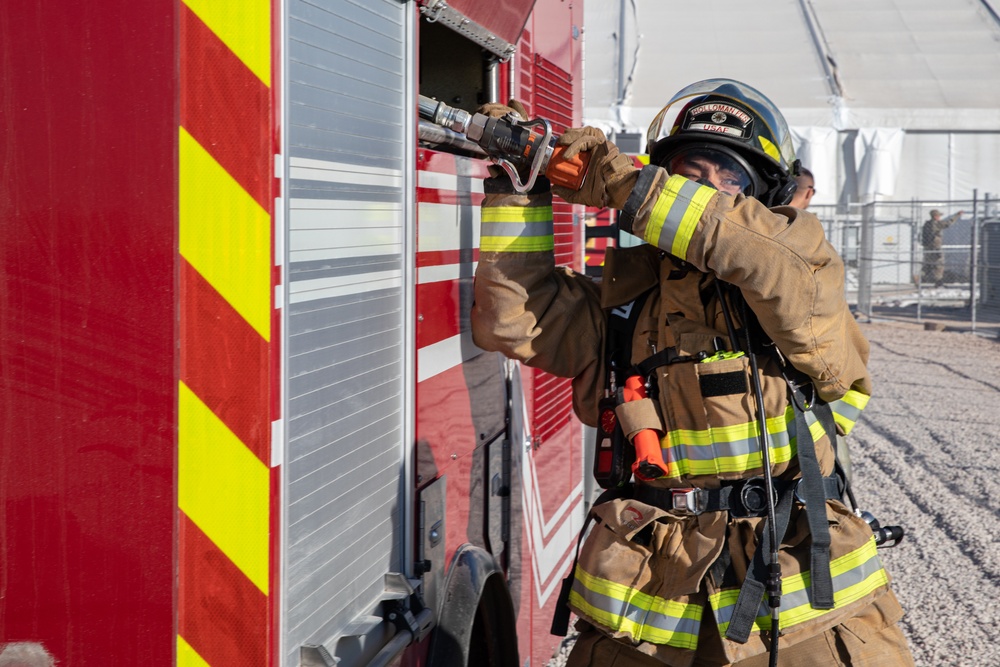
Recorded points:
(225, 107)
(225, 362)
(221, 614)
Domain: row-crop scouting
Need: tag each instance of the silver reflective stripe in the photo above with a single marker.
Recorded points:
(796, 605)
(841, 582)
(675, 216)
(609, 605)
(664, 623)
(846, 410)
(516, 229)
(733, 448)
(639, 622)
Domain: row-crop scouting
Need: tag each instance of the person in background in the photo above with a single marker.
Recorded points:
(806, 188)
(933, 266)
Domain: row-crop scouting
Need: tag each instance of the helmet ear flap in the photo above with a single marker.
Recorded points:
(783, 195)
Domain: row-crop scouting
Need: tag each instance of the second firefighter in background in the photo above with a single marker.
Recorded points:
(661, 576)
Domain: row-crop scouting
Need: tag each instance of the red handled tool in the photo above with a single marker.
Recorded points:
(649, 464)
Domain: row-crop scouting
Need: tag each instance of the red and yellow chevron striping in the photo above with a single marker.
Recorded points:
(224, 395)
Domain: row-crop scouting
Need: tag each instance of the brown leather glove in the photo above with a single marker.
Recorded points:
(497, 110)
(610, 176)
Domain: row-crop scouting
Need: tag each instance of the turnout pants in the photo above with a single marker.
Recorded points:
(870, 639)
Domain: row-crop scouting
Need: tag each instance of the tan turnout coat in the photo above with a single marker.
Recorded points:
(644, 572)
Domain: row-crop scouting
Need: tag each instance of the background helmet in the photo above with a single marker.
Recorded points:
(731, 118)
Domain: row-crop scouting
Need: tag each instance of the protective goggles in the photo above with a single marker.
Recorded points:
(719, 168)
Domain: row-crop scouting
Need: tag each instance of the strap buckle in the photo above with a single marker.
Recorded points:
(688, 501)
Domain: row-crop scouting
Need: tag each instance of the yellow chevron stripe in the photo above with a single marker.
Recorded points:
(187, 656)
(244, 26)
(223, 487)
(225, 234)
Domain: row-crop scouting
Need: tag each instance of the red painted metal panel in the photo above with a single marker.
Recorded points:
(87, 333)
(506, 19)
(558, 28)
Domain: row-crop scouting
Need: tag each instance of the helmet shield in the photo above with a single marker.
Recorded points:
(729, 110)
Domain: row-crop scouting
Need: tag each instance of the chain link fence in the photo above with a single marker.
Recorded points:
(899, 269)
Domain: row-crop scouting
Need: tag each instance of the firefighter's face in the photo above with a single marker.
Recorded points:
(722, 173)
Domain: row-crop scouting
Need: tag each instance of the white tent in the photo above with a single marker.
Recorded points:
(886, 99)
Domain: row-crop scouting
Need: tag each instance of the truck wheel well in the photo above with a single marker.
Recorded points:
(494, 630)
(476, 625)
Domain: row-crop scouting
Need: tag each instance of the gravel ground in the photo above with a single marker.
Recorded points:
(925, 457)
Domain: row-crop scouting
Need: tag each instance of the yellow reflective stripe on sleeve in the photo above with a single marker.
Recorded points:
(675, 215)
(847, 410)
(516, 229)
(658, 216)
(643, 616)
(517, 213)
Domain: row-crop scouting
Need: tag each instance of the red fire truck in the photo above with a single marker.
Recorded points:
(243, 421)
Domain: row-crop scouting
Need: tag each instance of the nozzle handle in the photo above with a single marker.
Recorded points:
(567, 173)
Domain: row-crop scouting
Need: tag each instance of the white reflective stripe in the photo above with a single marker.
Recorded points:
(553, 537)
(309, 214)
(340, 253)
(438, 181)
(373, 239)
(326, 229)
(447, 227)
(443, 355)
(325, 288)
(339, 172)
(437, 274)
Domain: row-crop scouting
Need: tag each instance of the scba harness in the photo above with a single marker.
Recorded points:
(739, 615)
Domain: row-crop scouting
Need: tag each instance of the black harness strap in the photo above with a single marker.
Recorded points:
(731, 496)
(814, 498)
(665, 357)
(752, 592)
(622, 321)
(813, 490)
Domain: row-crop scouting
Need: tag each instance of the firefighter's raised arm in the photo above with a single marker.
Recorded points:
(691, 204)
(525, 307)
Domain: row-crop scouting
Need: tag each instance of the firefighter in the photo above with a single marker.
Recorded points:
(741, 307)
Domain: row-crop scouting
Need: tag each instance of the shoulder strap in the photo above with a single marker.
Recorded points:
(621, 329)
